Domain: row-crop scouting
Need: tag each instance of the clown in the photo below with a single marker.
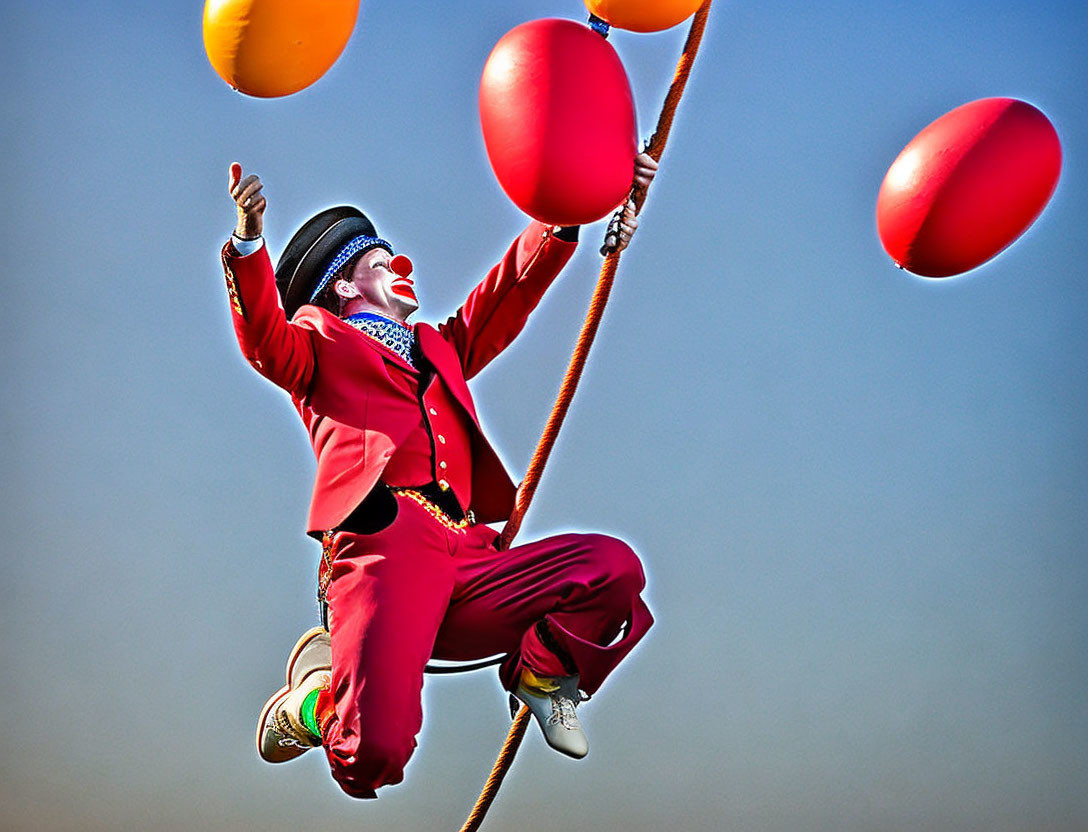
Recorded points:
(405, 485)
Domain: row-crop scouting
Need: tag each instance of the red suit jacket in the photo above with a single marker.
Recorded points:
(354, 394)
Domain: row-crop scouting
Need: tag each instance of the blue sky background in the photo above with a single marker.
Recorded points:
(862, 497)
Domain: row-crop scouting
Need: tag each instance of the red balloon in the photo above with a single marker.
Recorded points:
(559, 121)
(967, 186)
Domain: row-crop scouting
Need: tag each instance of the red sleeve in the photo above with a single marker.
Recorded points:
(497, 309)
(280, 351)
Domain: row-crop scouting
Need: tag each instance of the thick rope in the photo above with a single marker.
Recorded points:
(570, 383)
(498, 772)
(562, 403)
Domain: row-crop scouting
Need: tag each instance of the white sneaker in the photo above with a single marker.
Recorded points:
(281, 736)
(552, 700)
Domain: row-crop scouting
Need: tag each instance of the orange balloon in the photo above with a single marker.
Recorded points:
(643, 15)
(270, 48)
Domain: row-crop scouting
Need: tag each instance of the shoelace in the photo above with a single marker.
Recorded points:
(288, 737)
(563, 711)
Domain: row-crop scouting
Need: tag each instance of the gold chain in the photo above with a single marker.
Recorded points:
(438, 514)
(326, 559)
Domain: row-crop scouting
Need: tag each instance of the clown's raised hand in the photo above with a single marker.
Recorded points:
(625, 222)
(249, 201)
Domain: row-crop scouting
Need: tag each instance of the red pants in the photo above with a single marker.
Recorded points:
(418, 589)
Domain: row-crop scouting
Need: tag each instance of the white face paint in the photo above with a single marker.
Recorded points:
(382, 289)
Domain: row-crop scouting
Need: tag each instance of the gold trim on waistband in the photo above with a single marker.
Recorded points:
(436, 512)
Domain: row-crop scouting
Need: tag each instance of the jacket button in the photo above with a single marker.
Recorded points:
(441, 439)
(445, 486)
(442, 465)
(433, 412)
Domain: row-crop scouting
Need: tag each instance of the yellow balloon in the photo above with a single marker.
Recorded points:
(269, 48)
(643, 15)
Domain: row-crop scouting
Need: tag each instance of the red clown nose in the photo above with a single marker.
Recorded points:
(401, 265)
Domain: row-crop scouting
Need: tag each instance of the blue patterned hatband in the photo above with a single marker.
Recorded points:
(397, 336)
(350, 249)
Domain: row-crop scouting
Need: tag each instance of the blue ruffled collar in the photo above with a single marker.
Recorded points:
(395, 335)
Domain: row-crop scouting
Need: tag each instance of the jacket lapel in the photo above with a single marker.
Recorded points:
(446, 363)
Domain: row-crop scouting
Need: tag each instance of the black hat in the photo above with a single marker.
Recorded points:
(313, 249)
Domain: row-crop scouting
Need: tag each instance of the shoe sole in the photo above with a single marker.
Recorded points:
(268, 706)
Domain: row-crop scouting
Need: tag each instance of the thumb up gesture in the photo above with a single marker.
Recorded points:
(247, 197)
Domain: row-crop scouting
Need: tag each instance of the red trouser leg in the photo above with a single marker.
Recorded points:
(386, 601)
(388, 612)
(584, 586)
